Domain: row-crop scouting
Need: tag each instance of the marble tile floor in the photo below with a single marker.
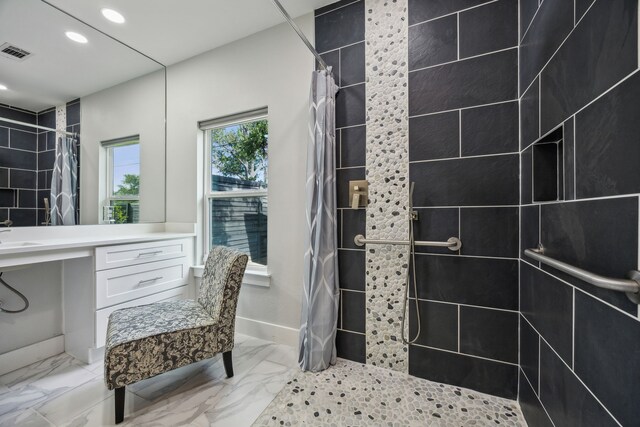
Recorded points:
(61, 391)
(267, 390)
(352, 394)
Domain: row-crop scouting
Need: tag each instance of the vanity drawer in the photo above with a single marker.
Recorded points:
(102, 316)
(119, 285)
(139, 253)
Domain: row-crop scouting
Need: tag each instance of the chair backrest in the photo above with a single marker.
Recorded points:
(220, 286)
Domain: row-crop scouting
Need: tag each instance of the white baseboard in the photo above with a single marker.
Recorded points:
(21, 357)
(267, 331)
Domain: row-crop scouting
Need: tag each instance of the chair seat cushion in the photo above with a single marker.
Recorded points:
(148, 340)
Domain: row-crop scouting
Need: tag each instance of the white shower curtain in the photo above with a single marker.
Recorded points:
(64, 183)
(321, 294)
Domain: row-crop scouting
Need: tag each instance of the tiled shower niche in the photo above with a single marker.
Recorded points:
(547, 167)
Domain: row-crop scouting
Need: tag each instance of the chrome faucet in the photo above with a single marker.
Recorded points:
(7, 222)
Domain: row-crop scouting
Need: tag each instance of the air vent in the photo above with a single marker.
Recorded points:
(12, 51)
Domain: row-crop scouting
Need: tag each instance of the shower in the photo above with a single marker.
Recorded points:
(453, 244)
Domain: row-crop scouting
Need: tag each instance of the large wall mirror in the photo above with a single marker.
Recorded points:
(57, 72)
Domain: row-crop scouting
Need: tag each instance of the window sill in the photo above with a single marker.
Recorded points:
(252, 276)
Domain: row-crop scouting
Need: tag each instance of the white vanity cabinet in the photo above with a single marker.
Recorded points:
(120, 276)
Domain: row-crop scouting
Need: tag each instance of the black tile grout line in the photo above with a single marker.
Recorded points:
(585, 292)
(454, 13)
(341, 47)
(464, 108)
(560, 47)
(475, 156)
(542, 338)
(22, 110)
(21, 149)
(349, 167)
(459, 135)
(526, 31)
(539, 78)
(466, 354)
(536, 392)
(350, 126)
(575, 175)
(352, 84)
(10, 128)
(18, 169)
(539, 354)
(493, 52)
(462, 304)
(457, 37)
(352, 332)
(452, 254)
(458, 325)
(464, 206)
(519, 101)
(573, 329)
(337, 8)
(587, 199)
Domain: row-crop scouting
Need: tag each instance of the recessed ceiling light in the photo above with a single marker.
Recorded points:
(76, 37)
(3, 87)
(113, 16)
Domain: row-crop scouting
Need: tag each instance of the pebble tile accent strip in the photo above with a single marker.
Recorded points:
(351, 393)
(61, 120)
(387, 170)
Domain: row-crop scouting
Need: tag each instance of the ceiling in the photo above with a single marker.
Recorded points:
(169, 31)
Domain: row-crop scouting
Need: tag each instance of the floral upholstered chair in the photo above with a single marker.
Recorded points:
(148, 340)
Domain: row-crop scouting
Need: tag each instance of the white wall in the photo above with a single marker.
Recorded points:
(41, 284)
(136, 107)
(273, 69)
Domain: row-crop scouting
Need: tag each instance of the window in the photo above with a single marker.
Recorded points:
(122, 204)
(236, 184)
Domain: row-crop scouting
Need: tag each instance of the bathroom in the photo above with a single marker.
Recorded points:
(436, 204)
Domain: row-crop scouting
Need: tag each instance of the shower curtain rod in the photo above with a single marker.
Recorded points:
(304, 38)
(16, 122)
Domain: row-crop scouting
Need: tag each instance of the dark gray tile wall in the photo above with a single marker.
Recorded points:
(26, 162)
(579, 71)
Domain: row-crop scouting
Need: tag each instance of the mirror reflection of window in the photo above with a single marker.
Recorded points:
(122, 205)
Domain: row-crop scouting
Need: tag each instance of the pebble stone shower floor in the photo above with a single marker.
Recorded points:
(353, 394)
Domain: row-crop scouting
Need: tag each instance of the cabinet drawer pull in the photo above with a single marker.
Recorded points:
(141, 254)
(144, 282)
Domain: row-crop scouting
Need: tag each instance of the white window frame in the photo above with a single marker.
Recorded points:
(257, 274)
(108, 146)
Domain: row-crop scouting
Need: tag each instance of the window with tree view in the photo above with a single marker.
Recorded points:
(236, 169)
(123, 182)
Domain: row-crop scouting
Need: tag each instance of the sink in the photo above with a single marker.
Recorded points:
(7, 245)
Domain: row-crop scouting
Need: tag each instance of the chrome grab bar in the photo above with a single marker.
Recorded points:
(630, 286)
(453, 243)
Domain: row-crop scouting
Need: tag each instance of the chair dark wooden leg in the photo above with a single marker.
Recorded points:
(228, 364)
(119, 405)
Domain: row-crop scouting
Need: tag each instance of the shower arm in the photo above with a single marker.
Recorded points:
(453, 243)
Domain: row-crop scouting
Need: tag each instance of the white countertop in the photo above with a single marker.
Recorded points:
(28, 245)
